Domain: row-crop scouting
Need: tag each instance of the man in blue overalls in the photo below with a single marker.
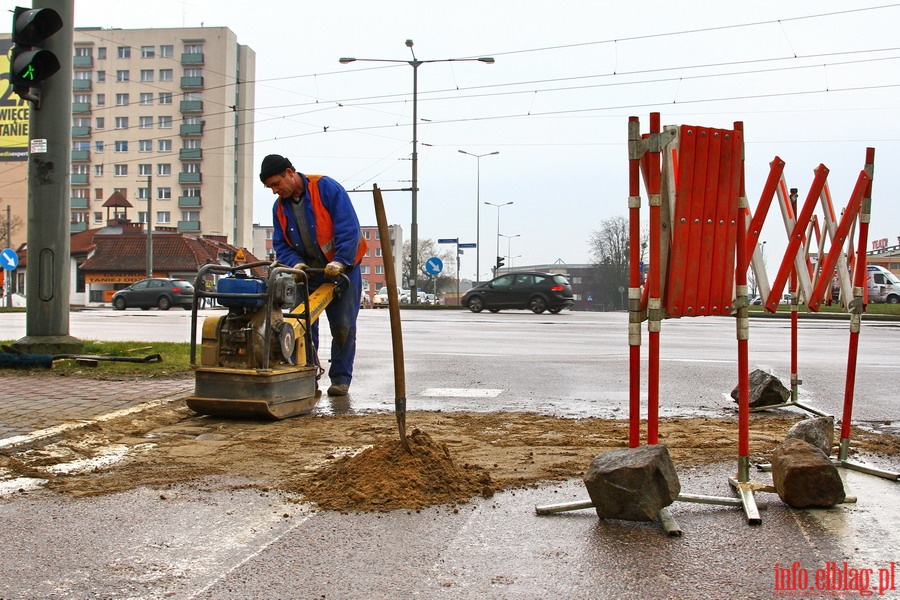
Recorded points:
(315, 225)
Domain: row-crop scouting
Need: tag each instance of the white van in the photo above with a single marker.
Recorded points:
(883, 286)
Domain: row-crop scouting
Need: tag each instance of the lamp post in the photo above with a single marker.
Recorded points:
(499, 206)
(508, 247)
(478, 210)
(414, 226)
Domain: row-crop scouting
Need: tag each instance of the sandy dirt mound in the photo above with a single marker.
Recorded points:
(356, 462)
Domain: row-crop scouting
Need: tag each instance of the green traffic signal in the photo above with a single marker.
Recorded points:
(30, 64)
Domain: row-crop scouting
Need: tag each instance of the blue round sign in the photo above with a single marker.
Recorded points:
(433, 265)
(9, 260)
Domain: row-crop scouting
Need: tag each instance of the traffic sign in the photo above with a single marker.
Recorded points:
(448, 240)
(472, 245)
(433, 265)
(9, 259)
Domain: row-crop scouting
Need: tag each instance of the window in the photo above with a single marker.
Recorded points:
(98, 193)
(367, 234)
(143, 193)
(145, 122)
(98, 170)
(121, 146)
(194, 120)
(166, 50)
(121, 99)
(164, 193)
(165, 97)
(191, 144)
(190, 168)
(379, 269)
(193, 96)
(146, 74)
(121, 122)
(83, 75)
(83, 51)
(148, 51)
(164, 169)
(365, 269)
(124, 52)
(145, 170)
(193, 72)
(162, 217)
(190, 215)
(190, 192)
(101, 99)
(98, 217)
(83, 98)
(123, 75)
(146, 98)
(82, 169)
(98, 146)
(193, 48)
(165, 122)
(145, 145)
(80, 193)
(101, 52)
(377, 252)
(142, 214)
(166, 74)
(121, 170)
(81, 122)
(101, 123)
(164, 146)
(101, 76)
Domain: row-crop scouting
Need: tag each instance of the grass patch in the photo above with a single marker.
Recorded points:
(175, 361)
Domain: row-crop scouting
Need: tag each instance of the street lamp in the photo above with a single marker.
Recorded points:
(499, 206)
(508, 245)
(478, 211)
(414, 227)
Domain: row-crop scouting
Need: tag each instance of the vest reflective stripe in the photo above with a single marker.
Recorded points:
(324, 224)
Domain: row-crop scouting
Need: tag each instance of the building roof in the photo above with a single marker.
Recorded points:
(117, 199)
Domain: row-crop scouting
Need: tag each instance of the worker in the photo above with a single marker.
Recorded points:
(315, 226)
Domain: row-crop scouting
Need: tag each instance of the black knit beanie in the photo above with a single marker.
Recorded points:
(273, 164)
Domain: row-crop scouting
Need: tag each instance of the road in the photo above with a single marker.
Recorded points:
(219, 541)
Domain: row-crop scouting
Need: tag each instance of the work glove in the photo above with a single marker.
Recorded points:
(300, 267)
(334, 269)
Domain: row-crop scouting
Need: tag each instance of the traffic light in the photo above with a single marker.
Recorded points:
(29, 64)
(499, 262)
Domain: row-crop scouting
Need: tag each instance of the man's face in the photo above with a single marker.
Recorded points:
(284, 184)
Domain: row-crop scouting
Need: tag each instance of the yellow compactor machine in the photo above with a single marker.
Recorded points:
(257, 361)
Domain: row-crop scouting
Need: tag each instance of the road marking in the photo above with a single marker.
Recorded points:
(461, 393)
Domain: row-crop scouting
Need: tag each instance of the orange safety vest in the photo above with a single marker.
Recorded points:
(324, 224)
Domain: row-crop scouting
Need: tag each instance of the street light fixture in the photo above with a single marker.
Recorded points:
(499, 206)
(508, 246)
(478, 211)
(414, 227)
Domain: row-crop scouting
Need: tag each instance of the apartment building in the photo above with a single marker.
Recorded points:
(165, 118)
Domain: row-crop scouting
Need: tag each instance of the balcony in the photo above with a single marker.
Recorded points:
(190, 154)
(81, 155)
(191, 106)
(79, 203)
(188, 201)
(190, 178)
(80, 179)
(78, 227)
(188, 83)
(82, 84)
(192, 59)
(83, 62)
(188, 226)
(81, 131)
(189, 129)
(81, 108)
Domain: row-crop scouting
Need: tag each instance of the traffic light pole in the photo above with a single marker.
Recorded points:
(47, 278)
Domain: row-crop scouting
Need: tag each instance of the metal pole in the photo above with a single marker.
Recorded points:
(48, 276)
(414, 227)
(150, 226)
(9, 274)
(477, 223)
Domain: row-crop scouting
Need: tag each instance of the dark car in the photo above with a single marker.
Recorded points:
(532, 290)
(160, 292)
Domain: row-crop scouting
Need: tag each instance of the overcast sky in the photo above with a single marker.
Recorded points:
(813, 81)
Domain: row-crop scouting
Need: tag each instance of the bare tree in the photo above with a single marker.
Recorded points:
(8, 228)
(610, 251)
(427, 248)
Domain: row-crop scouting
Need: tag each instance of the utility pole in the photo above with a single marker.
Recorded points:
(9, 274)
(48, 279)
(149, 225)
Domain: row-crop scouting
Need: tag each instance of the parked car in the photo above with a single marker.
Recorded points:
(160, 292)
(528, 289)
(381, 298)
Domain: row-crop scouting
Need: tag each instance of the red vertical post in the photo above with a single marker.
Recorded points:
(655, 301)
(635, 150)
(860, 274)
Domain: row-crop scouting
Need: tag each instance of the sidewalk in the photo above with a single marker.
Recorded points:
(32, 403)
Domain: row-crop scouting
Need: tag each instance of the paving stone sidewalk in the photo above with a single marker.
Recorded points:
(31, 403)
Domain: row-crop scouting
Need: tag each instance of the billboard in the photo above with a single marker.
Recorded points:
(14, 113)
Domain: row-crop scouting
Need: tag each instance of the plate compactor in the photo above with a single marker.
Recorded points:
(257, 361)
